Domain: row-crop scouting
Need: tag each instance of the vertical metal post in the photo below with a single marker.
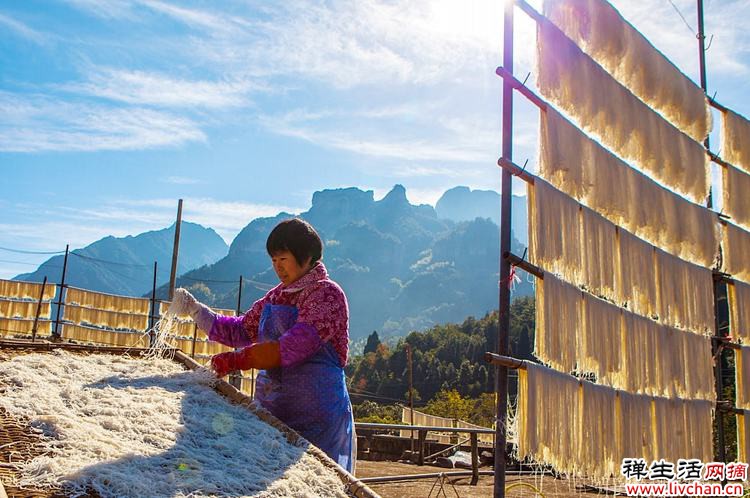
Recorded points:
(60, 296)
(176, 249)
(239, 298)
(421, 436)
(715, 346)
(152, 316)
(195, 336)
(503, 339)
(474, 458)
(411, 395)
(38, 310)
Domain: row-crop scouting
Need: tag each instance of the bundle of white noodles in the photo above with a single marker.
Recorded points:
(736, 201)
(735, 134)
(623, 123)
(583, 169)
(739, 307)
(626, 54)
(582, 428)
(558, 320)
(736, 256)
(105, 318)
(120, 426)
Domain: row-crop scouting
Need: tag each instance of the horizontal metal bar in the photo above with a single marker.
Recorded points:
(428, 428)
(716, 105)
(726, 407)
(530, 11)
(524, 265)
(516, 170)
(432, 475)
(505, 361)
(523, 89)
(726, 342)
(718, 160)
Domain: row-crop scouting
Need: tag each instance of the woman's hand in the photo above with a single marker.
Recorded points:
(183, 303)
(261, 355)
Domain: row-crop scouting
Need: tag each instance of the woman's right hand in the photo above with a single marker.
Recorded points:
(183, 303)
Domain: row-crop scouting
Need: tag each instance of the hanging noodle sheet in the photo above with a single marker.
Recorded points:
(636, 282)
(103, 318)
(583, 428)
(743, 430)
(685, 293)
(735, 134)
(601, 257)
(742, 377)
(108, 337)
(12, 326)
(26, 290)
(109, 302)
(583, 169)
(23, 309)
(558, 319)
(554, 231)
(626, 54)
(736, 256)
(601, 341)
(576, 84)
(736, 200)
(739, 310)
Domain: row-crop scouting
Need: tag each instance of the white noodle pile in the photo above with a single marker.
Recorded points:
(625, 53)
(736, 256)
(133, 427)
(735, 135)
(739, 306)
(580, 167)
(623, 123)
(736, 201)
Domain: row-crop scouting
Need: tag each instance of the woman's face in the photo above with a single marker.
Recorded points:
(287, 268)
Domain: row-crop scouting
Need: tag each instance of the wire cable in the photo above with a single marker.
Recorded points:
(21, 251)
(682, 17)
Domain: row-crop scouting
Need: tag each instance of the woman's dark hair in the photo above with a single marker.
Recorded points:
(298, 237)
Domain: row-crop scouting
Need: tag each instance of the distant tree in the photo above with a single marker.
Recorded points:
(450, 404)
(373, 341)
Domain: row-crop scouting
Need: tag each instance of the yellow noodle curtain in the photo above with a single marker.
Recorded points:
(739, 307)
(583, 169)
(12, 326)
(576, 331)
(583, 428)
(23, 309)
(735, 135)
(736, 195)
(600, 31)
(104, 318)
(109, 302)
(735, 256)
(106, 337)
(26, 290)
(622, 122)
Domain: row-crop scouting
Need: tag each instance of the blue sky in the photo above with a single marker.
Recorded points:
(111, 110)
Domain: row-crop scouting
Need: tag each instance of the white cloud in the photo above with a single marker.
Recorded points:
(21, 29)
(33, 123)
(180, 180)
(152, 88)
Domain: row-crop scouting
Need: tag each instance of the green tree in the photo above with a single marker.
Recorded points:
(373, 341)
(450, 404)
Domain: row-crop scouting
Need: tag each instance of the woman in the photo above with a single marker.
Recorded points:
(298, 335)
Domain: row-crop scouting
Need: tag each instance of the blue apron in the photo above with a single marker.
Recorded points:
(311, 397)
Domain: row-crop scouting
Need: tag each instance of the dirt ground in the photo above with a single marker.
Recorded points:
(460, 487)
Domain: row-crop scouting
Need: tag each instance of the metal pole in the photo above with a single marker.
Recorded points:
(503, 340)
(151, 318)
(411, 395)
(175, 250)
(38, 310)
(60, 296)
(718, 351)
(239, 298)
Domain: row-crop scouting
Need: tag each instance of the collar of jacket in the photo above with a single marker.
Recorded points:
(317, 273)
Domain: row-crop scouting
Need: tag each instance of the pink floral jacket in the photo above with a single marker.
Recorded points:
(322, 316)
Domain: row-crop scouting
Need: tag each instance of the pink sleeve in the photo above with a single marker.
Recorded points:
(298, 344)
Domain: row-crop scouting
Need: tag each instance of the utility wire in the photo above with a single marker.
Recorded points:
(682, 17)
(21, 251)
(131, 265)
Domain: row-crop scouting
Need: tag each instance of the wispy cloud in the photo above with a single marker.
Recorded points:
(180, 180)
(33, 123)
(22, 30)
(152, 88)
